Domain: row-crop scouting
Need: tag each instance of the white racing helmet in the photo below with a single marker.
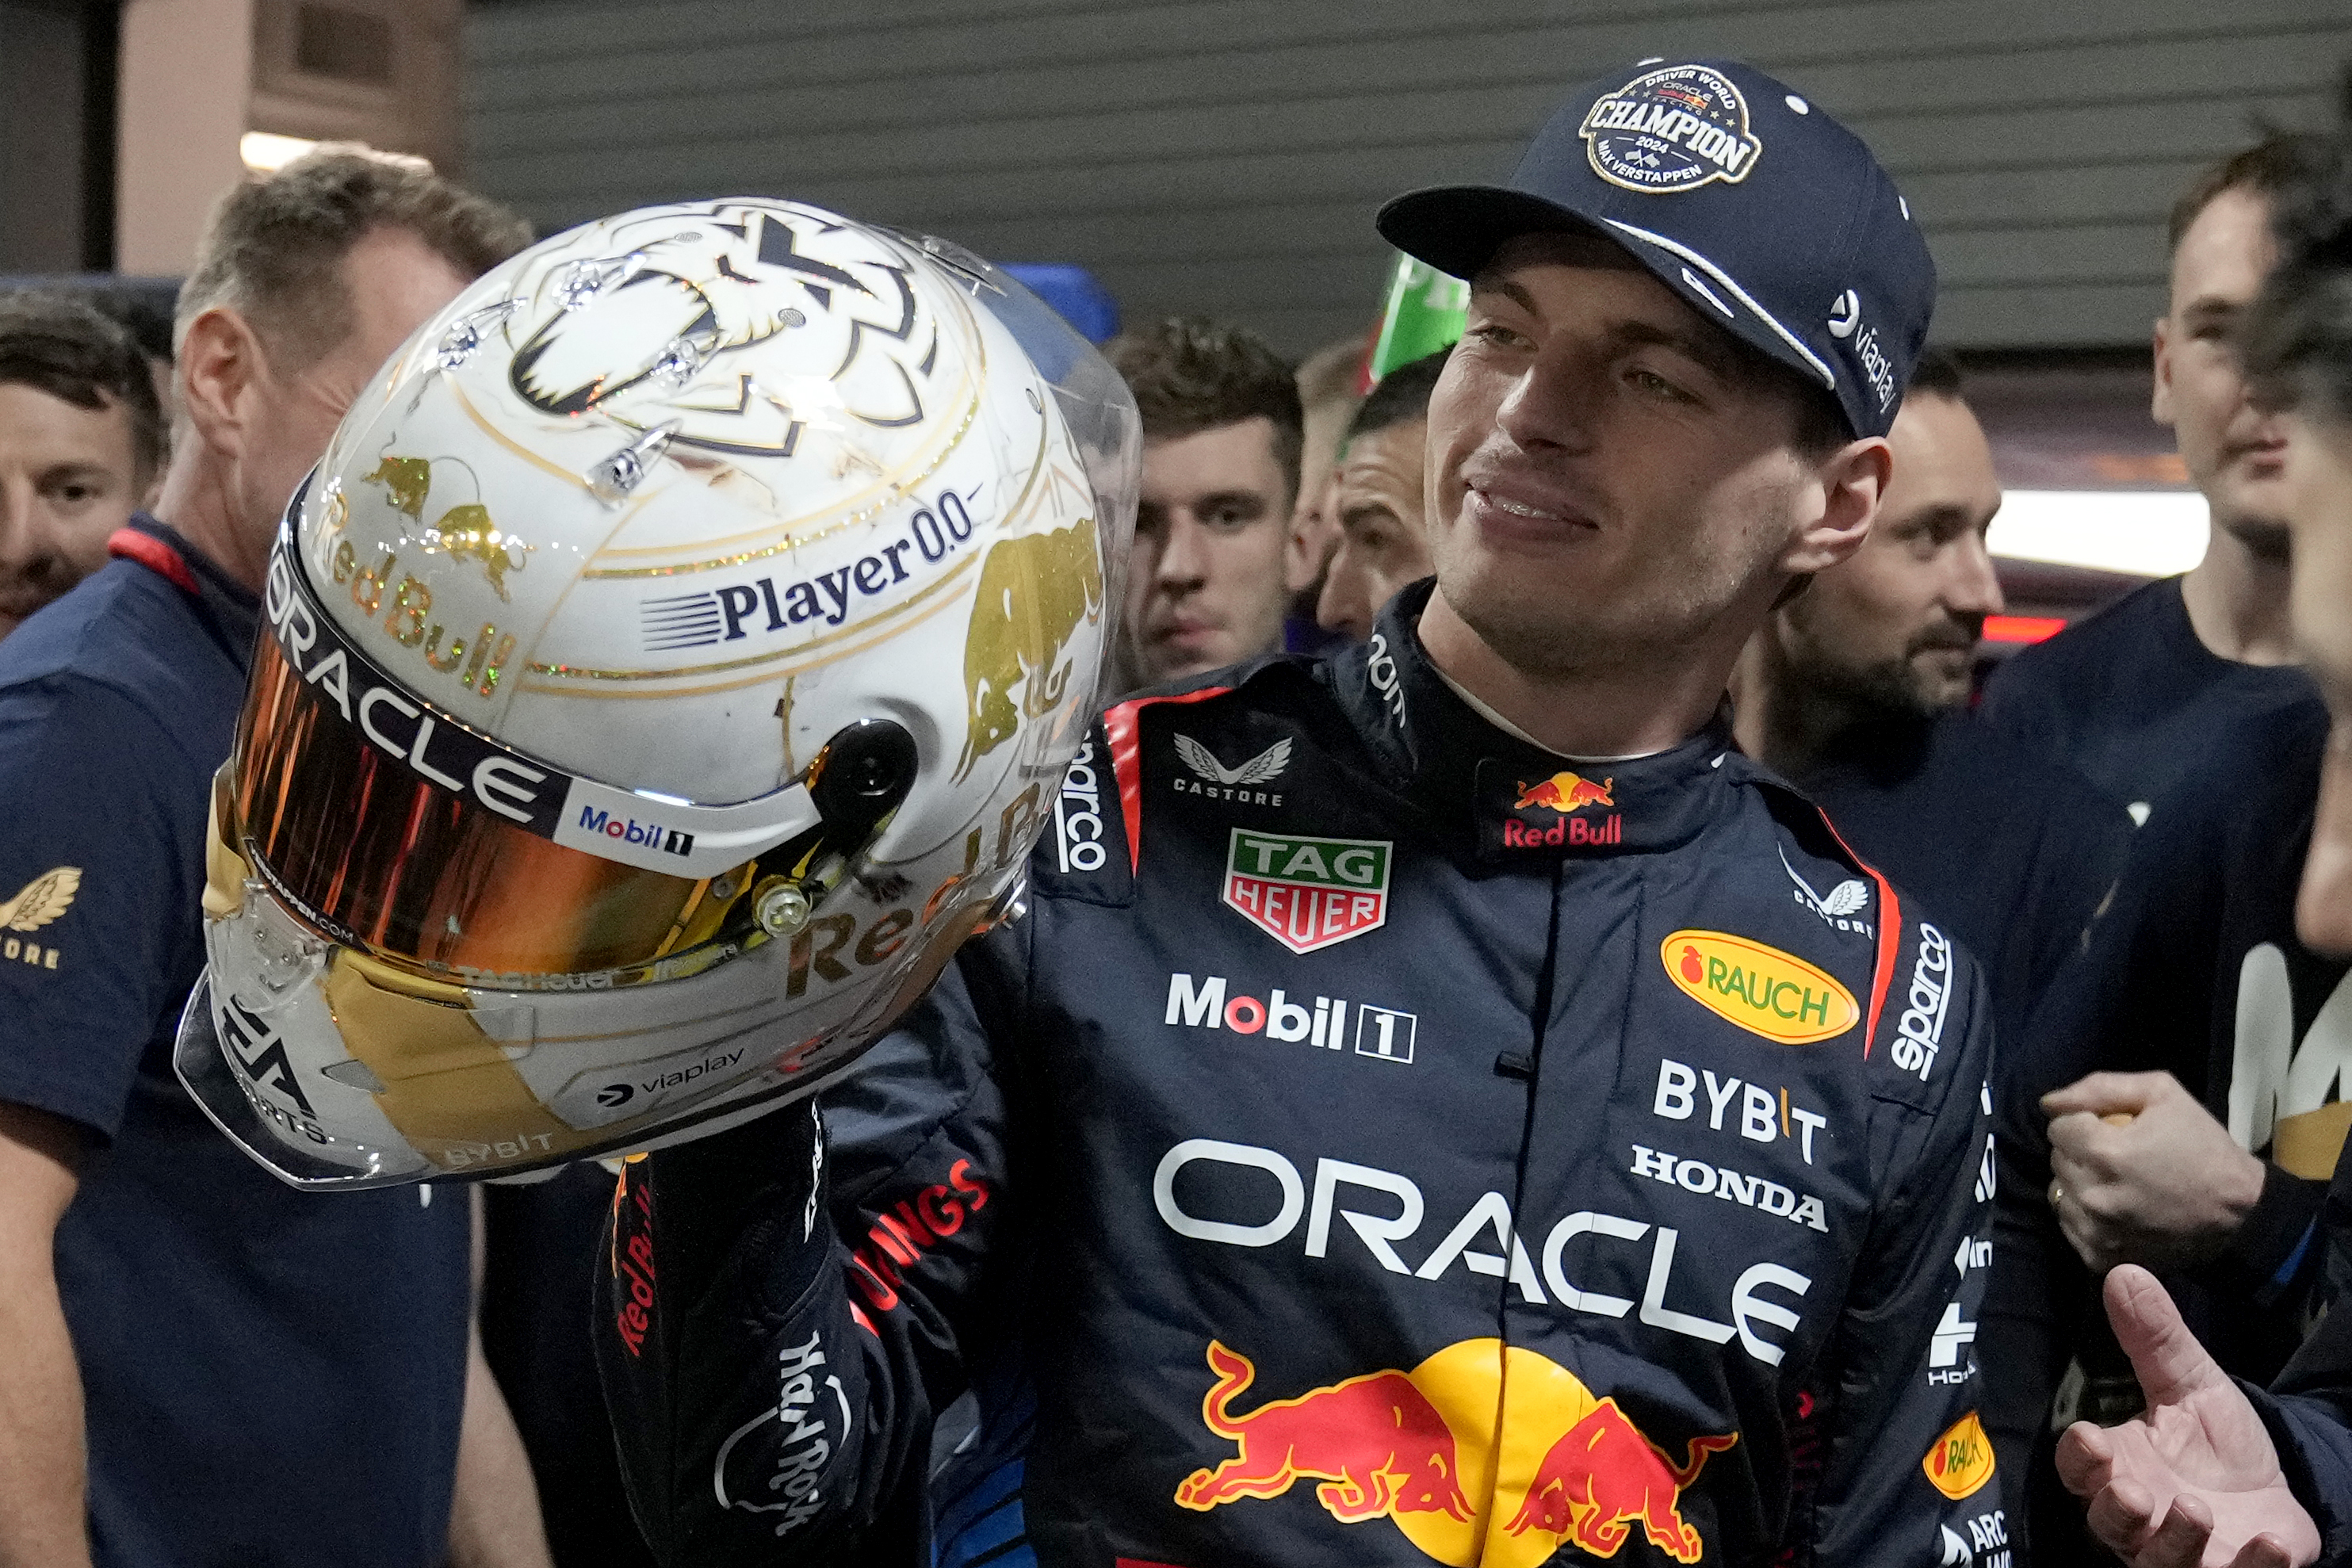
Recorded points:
(666, 668)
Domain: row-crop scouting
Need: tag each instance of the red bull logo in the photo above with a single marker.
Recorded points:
(1604, 1478)
(1477, 1433)
(1565, 794)
(1374, 1442)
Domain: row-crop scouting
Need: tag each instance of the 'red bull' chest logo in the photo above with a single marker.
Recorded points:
(1428, 1451)
(1563, 796)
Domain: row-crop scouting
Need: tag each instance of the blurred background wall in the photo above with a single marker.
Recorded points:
(1226, 155)
(1220, 157)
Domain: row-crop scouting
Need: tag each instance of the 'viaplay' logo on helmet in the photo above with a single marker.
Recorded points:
(1672, 130)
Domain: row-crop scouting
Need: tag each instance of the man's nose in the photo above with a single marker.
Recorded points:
(1972, 587)
(1343, 606)
(21, 534)
(1555, 401)
(1184, 557)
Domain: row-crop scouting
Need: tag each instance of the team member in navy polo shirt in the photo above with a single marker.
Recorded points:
(2130, 695)
(197, 1365)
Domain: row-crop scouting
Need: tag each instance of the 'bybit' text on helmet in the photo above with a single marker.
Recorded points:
(666, 668)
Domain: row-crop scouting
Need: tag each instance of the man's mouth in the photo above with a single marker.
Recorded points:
(1520, 509)
(1184, 630)
(1516, 512)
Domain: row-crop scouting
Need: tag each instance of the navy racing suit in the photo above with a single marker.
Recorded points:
(1382, 1141)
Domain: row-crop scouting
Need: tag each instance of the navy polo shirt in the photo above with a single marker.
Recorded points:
(2129, 696)
(2011, 852)
(269, 1376)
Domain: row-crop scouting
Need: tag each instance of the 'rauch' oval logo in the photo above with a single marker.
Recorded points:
(1763, 990)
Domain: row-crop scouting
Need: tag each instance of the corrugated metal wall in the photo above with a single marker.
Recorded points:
(1226, 156)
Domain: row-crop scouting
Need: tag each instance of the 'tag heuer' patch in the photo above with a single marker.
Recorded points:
(1307, 893)
(1763, 990)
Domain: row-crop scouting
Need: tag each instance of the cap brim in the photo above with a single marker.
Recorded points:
(1458, 228)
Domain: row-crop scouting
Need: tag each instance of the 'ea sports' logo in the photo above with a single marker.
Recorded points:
(1671, 129)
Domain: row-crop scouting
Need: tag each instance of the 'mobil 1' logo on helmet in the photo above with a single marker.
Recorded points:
(1671, 129)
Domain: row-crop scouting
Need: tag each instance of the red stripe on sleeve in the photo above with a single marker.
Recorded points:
(1890, 935)
(154, 554)
(1120, 724)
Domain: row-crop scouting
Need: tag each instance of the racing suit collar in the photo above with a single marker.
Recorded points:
(1509, 799)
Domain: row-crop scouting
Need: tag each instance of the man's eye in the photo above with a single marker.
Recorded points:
(1497, 334)
(1658, 386)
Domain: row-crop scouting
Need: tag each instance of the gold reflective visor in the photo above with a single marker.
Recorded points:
(380, 858)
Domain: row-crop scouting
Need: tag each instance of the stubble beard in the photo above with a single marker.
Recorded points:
(1676, 606)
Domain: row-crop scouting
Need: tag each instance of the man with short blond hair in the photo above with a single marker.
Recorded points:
(2126, 695)
(202, 1365)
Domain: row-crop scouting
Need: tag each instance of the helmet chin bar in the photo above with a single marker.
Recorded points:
(857, 782)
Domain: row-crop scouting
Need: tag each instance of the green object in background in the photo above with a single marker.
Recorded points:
(1424, 313)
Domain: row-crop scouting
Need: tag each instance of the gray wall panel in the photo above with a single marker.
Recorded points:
(1226, 156)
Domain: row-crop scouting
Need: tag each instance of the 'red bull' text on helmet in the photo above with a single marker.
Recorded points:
(667, 667)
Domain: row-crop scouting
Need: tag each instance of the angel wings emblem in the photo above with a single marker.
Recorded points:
(41, 901)
(1847, 898)
(1267, 765)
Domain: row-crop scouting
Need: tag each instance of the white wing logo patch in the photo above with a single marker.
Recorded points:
(1263, 768)
(1846, 897)
(1842, 906)
(50, 895)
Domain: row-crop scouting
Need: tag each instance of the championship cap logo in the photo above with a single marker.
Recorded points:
(1671, 129)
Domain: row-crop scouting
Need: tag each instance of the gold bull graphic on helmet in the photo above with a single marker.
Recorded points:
(407, 482)
(463, 533)
(1033, 591)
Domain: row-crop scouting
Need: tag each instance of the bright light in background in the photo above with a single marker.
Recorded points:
(265, 152)
(2149, 533)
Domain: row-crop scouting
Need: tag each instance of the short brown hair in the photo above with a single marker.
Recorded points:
(1190, 375)
(69, 349)
(2278, 162)
(274, 246)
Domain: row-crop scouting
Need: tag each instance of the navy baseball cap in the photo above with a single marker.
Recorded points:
(1769, 217)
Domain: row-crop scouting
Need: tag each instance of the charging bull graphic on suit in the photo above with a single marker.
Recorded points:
(1381, 1448)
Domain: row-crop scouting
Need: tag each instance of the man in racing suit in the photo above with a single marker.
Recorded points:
(1420, 1115)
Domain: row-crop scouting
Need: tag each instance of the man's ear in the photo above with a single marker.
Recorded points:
(1851, 480)
(2159, 406)
(220, 369)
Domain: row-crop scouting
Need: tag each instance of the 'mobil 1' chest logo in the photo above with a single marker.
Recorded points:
(1763, 990)
(1671, 129)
